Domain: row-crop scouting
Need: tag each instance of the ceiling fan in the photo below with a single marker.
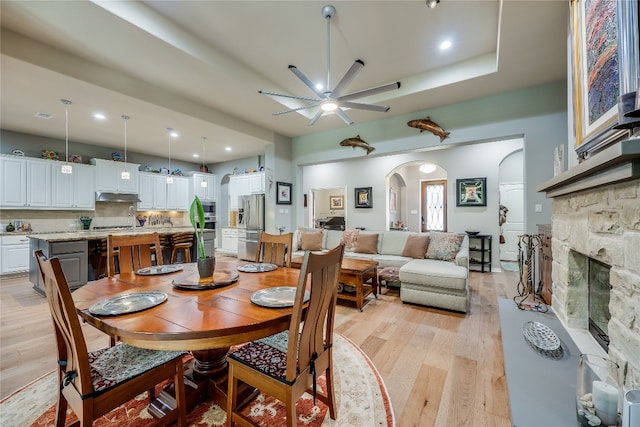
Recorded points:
(333, 100)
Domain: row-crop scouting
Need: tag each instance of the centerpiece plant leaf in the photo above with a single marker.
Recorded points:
(198, 224)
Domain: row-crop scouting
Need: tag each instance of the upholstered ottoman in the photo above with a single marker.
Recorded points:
(390, 275)
(435, 283)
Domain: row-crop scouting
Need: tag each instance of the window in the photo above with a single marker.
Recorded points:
(434, 205)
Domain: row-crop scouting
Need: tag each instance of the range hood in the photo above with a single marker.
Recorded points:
(102, 196)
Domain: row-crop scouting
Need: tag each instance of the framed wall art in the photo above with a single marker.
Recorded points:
(336, 203)
(363, 197)
(471, 192)
(596, 67)
(283, 193)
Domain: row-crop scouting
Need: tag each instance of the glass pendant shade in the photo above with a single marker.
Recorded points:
(125, 173)
(66, 168)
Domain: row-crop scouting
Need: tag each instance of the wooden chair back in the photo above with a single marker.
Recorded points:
(311, 333)
(275, 249)
(132, 252)
(181, 241)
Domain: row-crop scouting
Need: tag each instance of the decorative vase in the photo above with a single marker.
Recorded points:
(597, 391)
(206, 267)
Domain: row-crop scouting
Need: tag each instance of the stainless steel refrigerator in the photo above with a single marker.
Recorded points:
(250, 224)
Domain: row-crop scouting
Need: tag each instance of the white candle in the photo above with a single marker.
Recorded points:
(605, 400)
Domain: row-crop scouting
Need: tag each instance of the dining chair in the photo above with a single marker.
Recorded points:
(95, 383)
(181, 242)
(132, 252)
(275, 249)
(287, 364)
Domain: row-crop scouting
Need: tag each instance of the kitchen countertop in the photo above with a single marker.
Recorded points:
(100, 234)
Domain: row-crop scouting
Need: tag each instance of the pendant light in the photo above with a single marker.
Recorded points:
(170, 178)
(125, 173)
(203, 184)
(66, 168)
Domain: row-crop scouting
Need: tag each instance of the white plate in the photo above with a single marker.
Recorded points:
(128, 303)
(280, 296)
(257, 268)
(159, 269)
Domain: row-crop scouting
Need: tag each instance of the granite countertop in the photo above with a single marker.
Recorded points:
(99, 234)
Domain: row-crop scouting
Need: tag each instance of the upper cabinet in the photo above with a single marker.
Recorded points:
(156, 194)
(205, 186)
(242, 185)
(29, 183)
(109, 176)
(257, 183)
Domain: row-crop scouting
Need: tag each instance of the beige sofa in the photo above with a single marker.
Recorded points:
(442, 283)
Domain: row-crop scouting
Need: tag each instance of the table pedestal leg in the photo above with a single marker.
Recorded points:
(205, 379)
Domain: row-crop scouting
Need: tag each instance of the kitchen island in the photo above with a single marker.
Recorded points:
(73, 250)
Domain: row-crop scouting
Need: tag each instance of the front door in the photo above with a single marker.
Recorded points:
(512, 196)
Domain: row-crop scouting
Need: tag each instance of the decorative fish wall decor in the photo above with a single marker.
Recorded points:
(427, 124)
(356, 141)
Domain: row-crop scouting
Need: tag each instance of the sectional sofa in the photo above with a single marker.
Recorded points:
(433, 267)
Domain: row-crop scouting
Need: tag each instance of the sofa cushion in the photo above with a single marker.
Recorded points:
(311, 241)
(434, 273)
(349, 238)
(393, 242)
(297, 236)
(416, 246)
(367, 243)
(444, 246)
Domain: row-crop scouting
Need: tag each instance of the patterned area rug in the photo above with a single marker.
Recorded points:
(362, 400)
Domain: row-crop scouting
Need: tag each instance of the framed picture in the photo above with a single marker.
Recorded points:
(392, 200)
(596, 68)
(283, 193)
(363, 197)
(471, 192)
(336, 202)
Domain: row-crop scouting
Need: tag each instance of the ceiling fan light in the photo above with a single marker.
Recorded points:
(329, 106)
(427, 167)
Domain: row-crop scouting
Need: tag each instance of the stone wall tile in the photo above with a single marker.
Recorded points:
(631, 245)
(627, 191)
(630, 216)
(605, 248)
(605, 221)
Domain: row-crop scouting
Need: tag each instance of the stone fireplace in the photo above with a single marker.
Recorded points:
(602, 224)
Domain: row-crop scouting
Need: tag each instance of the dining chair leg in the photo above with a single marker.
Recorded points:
(331, 397)
(61, 410)
(291, 410)
(231, 395)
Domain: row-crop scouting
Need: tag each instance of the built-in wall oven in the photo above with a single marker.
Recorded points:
(209, 215)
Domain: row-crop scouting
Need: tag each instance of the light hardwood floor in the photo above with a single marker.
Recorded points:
(440, 368)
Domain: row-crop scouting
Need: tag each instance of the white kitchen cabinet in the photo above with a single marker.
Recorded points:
(145, 191)
(75, 190)
(207, 193)
(39, 183)
(229, 242)
(109, 176)
(14, 252)
(13, 171)
(178, 194)
(257, 183)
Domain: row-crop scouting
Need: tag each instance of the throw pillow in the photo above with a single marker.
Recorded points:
(311, 241)
(349, 238)
(444, 246)
(367, 243)
(416, 246)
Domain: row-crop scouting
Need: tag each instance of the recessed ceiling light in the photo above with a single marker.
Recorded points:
(319, 86)
(196, 155)
(43, 116)
(227, 148)
(445, 45)
(99, 116)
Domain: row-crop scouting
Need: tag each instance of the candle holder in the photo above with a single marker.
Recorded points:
(597, 392)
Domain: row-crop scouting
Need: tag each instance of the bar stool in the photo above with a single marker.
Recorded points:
(184, 242)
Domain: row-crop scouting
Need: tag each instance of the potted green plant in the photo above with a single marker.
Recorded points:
(206, 265)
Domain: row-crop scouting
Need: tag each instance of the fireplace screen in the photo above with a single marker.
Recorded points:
(599, 294)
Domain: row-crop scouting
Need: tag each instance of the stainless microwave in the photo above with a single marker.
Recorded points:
(209, 208)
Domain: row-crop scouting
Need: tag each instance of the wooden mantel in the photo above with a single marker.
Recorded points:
(616, 163)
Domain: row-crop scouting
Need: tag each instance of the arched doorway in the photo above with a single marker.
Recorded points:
(512, 198)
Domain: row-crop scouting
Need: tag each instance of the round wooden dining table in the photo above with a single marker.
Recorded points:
(205, 322)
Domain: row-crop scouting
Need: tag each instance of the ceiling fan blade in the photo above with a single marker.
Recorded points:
(360, 106)
(295, 109)
(305, 80)
(346, 79)
(290, 96)
(316, 117)
(371, 91)
(340, 112)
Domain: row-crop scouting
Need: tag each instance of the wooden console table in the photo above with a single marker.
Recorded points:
(355, 272)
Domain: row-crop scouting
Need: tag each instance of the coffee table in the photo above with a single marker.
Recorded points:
(354, 272)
